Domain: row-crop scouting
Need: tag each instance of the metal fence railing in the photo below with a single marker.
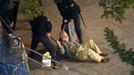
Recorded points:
(10, 64)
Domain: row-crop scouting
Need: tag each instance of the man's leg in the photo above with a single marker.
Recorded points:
(94, 56)
(65, 25)
(49, 46)
(87, 54)
(91, 44)
(78, 27)
(34, 44)
(94, 47)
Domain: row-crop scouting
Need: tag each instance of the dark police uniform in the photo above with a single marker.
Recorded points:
(70, 10)
(40, 27)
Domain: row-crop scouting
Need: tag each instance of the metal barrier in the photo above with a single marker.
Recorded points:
(9, 64)
(65, 69)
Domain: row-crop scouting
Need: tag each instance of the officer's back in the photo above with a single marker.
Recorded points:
(40, 26)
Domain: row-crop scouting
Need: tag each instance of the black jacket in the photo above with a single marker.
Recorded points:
(40, 26)
(66, 10)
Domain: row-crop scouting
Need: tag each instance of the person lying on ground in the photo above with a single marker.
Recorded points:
(85, 51)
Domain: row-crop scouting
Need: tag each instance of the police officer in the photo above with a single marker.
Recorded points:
(41, 28)
(70, 10)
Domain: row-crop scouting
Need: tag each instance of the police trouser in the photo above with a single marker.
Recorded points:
(45, 40)
(77, 26)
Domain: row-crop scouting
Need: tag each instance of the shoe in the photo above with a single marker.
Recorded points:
(105, 60)
(104, 54)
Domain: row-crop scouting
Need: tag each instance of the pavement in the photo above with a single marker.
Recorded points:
(91, 13)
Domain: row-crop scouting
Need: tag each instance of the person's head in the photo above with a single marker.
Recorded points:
(64, 36)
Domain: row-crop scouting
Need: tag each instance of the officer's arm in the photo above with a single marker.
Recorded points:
(48, 26)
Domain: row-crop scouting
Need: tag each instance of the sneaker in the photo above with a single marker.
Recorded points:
(105, 60)
(104, 54)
